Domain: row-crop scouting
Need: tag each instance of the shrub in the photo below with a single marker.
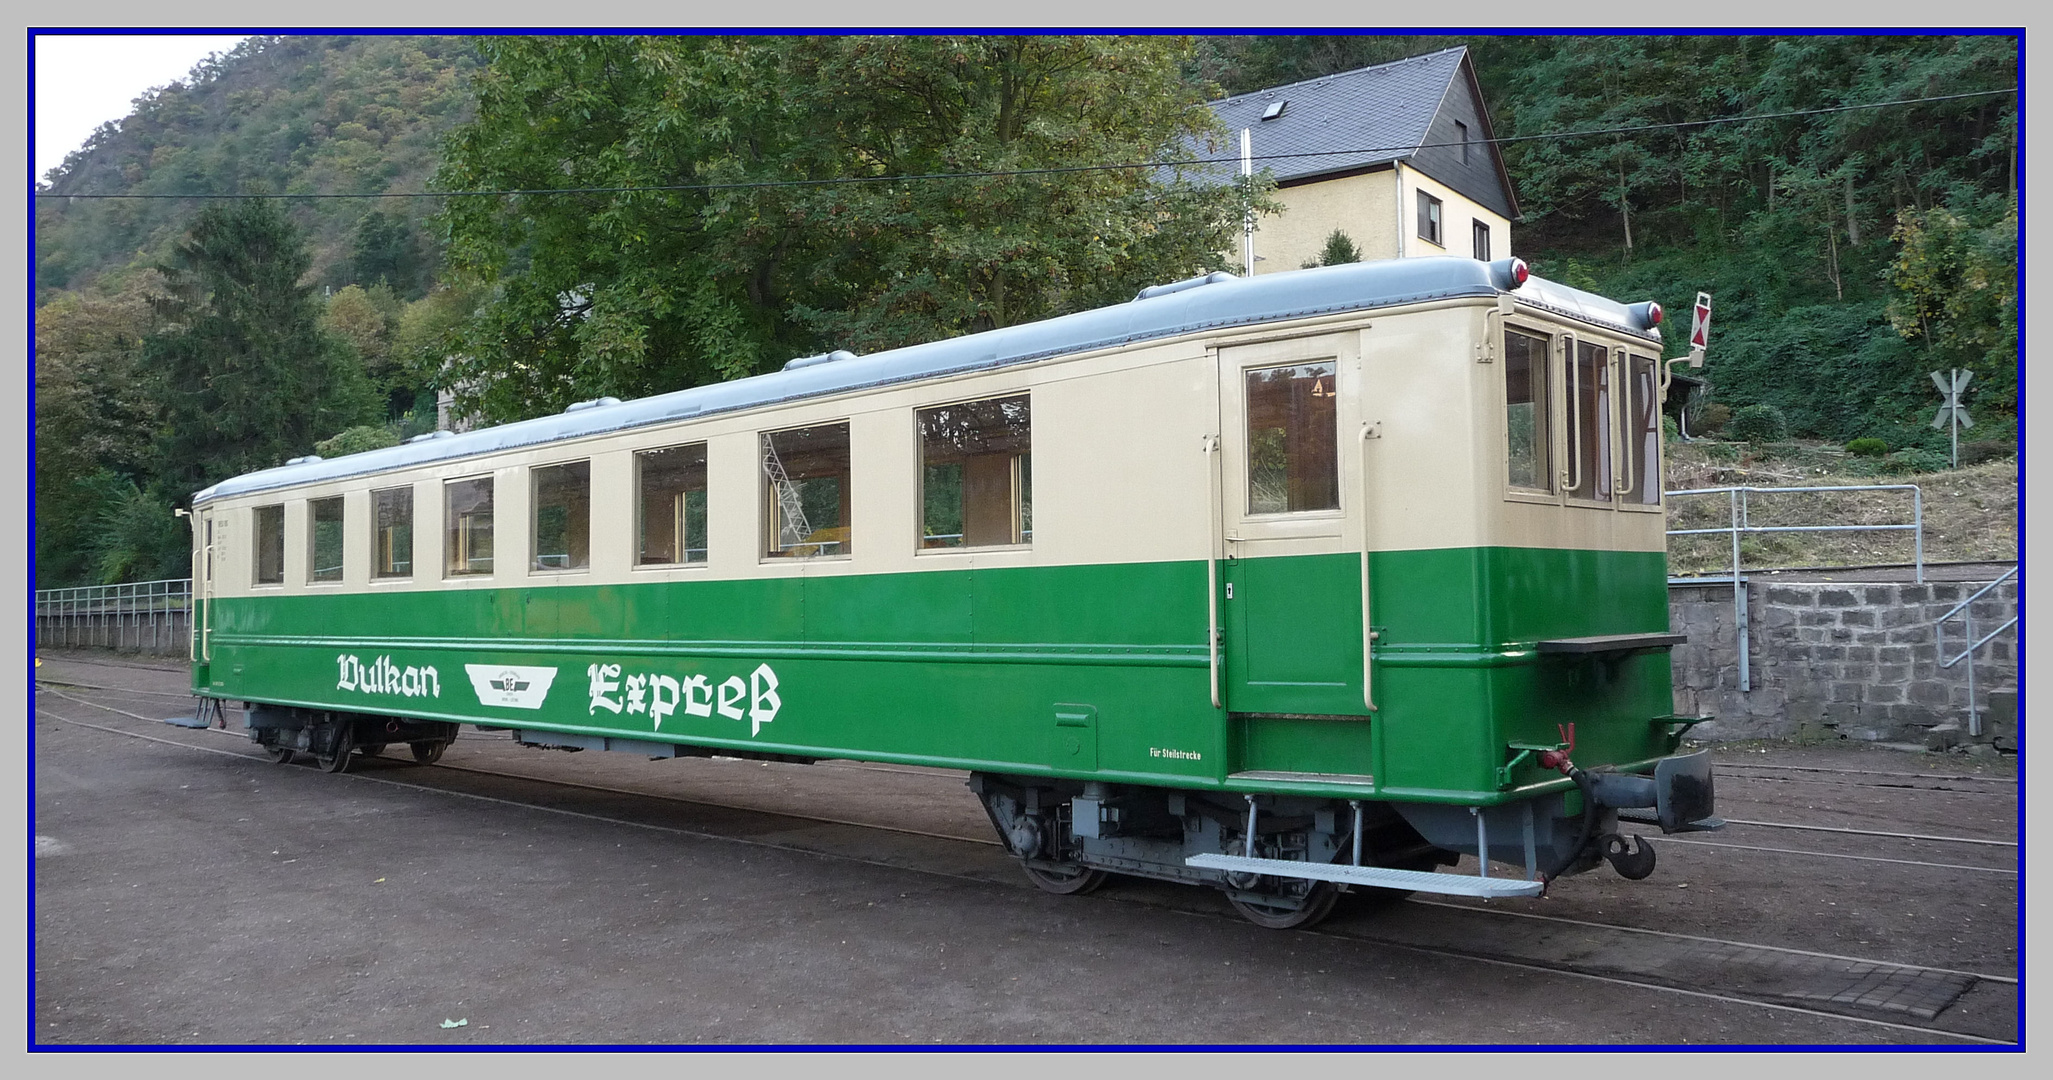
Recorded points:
(1758, 424)
(1670, 431)
(1869, 447)
(1918, 460)
(1980, 450)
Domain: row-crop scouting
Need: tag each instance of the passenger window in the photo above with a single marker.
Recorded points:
(976, 474)
(269, 550)
(806, 492)
(392, 532)
(562, 516)
(1589, 424)
(672, 504)
(1642, 432)
(467, 512)
(1292, 460)
(1525, 412)
(324, 539)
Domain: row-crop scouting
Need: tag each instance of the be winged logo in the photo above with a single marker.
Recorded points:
(510, 686)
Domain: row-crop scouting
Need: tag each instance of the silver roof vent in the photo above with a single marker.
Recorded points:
(823, 358)
(1212, 278)
(307, 460)
(592, 404)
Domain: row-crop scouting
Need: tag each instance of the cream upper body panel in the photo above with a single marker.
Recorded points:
(1120, 465)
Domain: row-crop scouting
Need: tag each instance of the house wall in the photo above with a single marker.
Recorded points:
(1368, 209)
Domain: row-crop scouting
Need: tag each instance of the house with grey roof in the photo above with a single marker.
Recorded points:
(1401, 157)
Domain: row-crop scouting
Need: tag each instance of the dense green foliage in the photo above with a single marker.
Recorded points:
(1849, 253)
(634, 292)
(222, 367)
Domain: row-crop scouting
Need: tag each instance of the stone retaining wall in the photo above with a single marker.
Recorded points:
(1854, 660)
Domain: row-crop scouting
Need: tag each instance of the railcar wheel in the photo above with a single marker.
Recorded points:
(371, 749)
(338, 760)
(1071, 880)
(1317, 904)
(428, 753)
(280, 755)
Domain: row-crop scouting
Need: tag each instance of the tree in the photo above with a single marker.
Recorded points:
(1956, 292)
(244, 374)
(808, 243)
(386, 252)
(93, 421)
(1339, 249)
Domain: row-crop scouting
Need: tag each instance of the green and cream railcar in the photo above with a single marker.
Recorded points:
(1281, 585)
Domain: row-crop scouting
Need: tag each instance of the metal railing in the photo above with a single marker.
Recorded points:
(1966, 613)
(154, 615)
(1741, 522)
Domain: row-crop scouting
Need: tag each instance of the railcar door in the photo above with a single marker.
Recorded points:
(197, 616)
(1291, 585)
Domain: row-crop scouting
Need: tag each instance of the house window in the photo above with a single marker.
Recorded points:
(270, 546)
(1463, 130)
(1429, 219)
(467, 512)
(1293, 456)
(976, 474)
(563, 517)
(806, 496)
(1525, 411)
(392, 532)
(324, 539)
(673, 504)
(1480, 233)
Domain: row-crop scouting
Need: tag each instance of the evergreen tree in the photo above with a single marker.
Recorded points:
(1339, 249)
(244, 376)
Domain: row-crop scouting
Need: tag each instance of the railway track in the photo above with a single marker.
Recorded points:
(1904, 997)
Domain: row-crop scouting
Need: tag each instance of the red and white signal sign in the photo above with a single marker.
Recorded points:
(1700, 325)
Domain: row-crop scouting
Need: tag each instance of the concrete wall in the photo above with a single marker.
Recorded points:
(158, 634)
(1859, 661)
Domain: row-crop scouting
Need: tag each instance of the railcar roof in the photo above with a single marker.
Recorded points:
(1219, 305)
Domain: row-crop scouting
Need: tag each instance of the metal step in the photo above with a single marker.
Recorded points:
(1380, 876)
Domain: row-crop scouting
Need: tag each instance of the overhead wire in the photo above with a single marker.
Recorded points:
(908, 178)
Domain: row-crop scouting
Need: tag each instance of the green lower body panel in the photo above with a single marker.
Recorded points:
(1083, 672)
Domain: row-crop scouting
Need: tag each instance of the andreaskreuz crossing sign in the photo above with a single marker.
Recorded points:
(1951, 412)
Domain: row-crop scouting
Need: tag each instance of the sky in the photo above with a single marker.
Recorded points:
(85, 80)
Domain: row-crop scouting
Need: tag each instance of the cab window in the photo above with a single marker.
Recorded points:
(1529, 449)
(1642, 431)
(1589, 422)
